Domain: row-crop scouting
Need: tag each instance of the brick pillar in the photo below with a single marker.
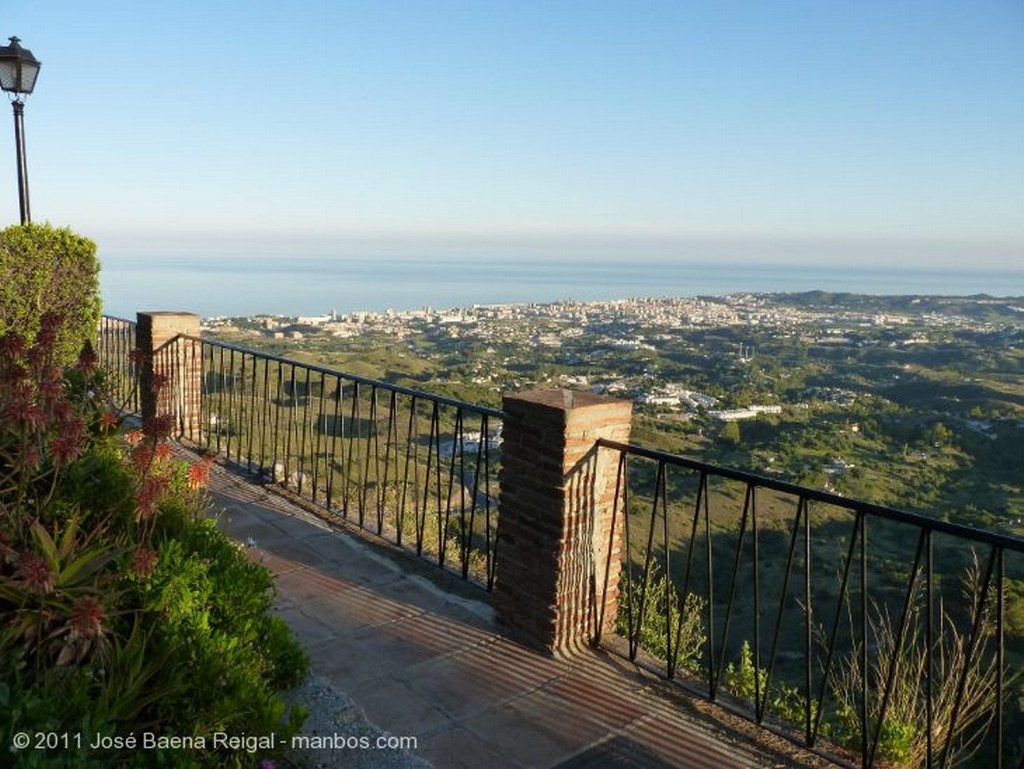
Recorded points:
(557, 522)
(178, 363)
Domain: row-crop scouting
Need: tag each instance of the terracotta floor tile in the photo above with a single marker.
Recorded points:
(390, 704)
(536, 730)
(309, 584)
(344, 665)
(309, 629)
(285, 546)
(619, 752)
(481, 677)
(414, 591)
(400, 646)
(337, 557)
(244, 527)
(459, 748)
(355, 608)
(604, 698)
(686, 745)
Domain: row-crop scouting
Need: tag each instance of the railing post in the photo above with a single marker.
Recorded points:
(178, 365)
(558, 532)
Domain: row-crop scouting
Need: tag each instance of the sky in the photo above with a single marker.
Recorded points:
(844, 131)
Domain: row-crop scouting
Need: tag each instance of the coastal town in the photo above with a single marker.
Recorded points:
(589, 335)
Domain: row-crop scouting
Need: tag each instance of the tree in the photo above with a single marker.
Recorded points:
(731, 433)
(940, 434)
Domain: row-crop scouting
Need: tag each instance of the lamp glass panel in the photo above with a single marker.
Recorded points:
(8, 75)
(29, 73)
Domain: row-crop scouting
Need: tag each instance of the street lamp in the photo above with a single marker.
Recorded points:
(18, 72)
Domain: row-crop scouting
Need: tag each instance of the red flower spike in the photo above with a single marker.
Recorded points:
(22, 410)
(159, 426)
(87, 360)
(108, 421)
(51, 390)
(63, 410)
(65, 449)
(46, 338)
(145, 504)
(149, 495)
(87, 617)
(198, 475)
(13, 373)
(36, 358)
(144, 561)
(35, 573)
(12, 346)
(141, 457)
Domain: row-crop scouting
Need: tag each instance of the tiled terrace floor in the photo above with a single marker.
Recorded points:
(420, 653)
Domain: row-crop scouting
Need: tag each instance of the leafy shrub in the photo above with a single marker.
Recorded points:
(649, 619)
(47, 269)
(212, 604)
(745, 681)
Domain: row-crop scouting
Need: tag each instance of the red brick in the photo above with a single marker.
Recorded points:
(557, 515)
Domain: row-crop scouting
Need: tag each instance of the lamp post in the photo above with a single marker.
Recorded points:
(18, 72)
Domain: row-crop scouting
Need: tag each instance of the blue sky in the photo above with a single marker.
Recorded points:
(850, 131)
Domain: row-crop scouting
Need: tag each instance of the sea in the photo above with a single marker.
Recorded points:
(246, 286)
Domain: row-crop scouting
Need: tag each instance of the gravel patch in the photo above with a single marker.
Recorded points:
(340, 734)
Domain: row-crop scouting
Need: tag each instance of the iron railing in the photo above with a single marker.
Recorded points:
(416, 469)
(115, 343)
(865, 632)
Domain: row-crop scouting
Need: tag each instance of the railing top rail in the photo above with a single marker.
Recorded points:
(441, 399)
(894, 514)
(118, 319)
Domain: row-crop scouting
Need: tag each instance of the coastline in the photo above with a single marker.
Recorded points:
(292, 287)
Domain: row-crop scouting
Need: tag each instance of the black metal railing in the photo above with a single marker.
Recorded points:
(874, 635)
(115, 345)
(417, 469)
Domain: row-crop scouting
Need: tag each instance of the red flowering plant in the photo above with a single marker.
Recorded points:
(59, 596)
(79, 503)
(55, 578)
(42, 428)
(75, 519)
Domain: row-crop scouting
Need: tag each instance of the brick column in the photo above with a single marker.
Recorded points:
(557, 523)
(177, 363)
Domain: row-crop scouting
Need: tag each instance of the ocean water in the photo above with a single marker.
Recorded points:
(292, 286)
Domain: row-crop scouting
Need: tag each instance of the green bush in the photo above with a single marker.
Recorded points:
(649, 619)
(212, 606)
(747, 682)
(48, 269)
